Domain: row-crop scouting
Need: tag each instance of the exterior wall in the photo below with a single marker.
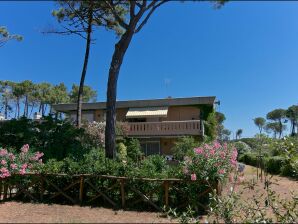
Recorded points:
(120, 115)
(86, 116)
(175, 113)
(182, 113)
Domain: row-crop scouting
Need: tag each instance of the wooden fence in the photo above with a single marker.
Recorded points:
(87, 189)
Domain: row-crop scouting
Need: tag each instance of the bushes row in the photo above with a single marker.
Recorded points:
(273, 165)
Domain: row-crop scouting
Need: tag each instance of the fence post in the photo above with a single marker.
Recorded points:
(81, 189)
(0, 190)
(41, 187)
(5, 190)
(166, 186)
(122, 193)
(218, 187)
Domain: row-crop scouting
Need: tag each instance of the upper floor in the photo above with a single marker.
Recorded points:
(158, 117)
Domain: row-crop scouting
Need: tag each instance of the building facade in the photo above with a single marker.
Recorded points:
(156, 123)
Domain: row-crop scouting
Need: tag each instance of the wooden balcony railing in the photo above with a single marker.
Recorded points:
(165, 128)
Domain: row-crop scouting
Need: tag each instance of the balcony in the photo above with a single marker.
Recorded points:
(165, 128)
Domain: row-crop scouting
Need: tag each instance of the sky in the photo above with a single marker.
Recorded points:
(245, 54)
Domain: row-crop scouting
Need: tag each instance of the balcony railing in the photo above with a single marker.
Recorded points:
(166, 128)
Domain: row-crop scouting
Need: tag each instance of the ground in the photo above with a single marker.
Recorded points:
(42, 213)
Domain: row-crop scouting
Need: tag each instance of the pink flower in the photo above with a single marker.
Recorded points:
(13, 166)
(4, 172)
(199, 150)
(221, 171)
(3, 152)
(217, 145)
(3, 162)
(11, 156)
(24, 166)
(222, 154)
(25, 148)
(212, 151)
(193, 177)
(22, 171)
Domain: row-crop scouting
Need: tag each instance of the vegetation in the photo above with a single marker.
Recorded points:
(36, 97)
(5, 36)
(280, 155)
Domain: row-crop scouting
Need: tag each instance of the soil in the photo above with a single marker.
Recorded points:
(16, 212)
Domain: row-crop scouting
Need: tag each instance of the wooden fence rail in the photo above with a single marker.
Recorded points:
(118, 192)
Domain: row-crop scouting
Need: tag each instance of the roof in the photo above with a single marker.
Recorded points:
(141, 112)
(205, 100)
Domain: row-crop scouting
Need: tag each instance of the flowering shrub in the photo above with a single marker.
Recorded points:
(21, 163)
(212, 161)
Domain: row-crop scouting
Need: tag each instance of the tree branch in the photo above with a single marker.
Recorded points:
(117, 17)
(152, 4)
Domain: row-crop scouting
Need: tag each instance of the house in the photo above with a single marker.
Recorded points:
(157, 123)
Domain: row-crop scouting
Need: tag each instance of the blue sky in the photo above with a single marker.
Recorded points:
(245, 54)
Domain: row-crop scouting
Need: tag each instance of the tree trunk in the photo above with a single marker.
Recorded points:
(280, 130)
(32, 107)
(18, 107)
(26, 107)
(84, 70)
(6, 108)
(119, 52)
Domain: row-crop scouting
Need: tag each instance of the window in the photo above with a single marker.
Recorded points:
(150, 147)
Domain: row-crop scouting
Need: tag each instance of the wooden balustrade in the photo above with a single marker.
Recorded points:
(165, 128)
(118, 192)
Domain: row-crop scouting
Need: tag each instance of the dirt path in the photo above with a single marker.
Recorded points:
(14, 212)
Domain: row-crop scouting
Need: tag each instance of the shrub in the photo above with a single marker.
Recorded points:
(134, 150)
(184, 146)
(274, 164)
(249, 158)
(242, 147)
(21, 163)
(211, 161)
(121, 152)
(55, 138)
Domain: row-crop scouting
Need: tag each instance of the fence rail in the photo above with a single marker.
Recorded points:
(114, 191)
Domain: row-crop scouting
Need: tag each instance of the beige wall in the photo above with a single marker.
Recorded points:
(175, 113)
(182, 113)
(120, 114)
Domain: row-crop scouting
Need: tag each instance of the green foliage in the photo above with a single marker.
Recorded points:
(239, 133)
(184, 146)
(242, 147)
(260, 123)
(56, 139)
(134, 150)
(211, 126)
(6, 36)
(121, 152)
(274, 164)
(249, 158)
(89, 95)
(37, 97)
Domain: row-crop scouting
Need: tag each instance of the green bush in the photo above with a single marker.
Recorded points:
(249, 158)
(242, 147)
(134, 150)
(274, 164)
(184, 146)
(121, 151)
(55, 138)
